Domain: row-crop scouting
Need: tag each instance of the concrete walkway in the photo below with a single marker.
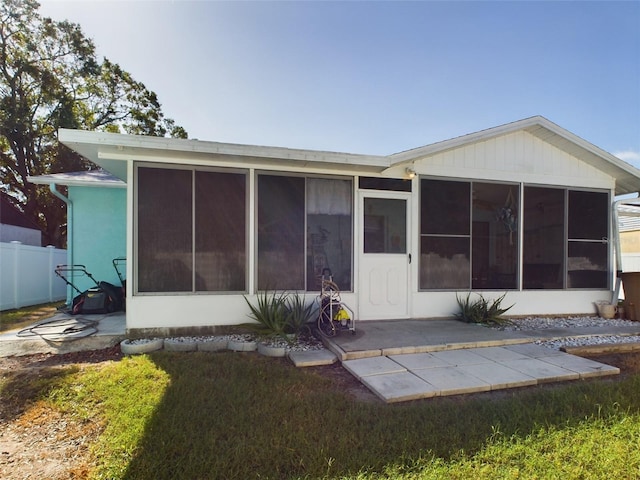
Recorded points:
(413, 359)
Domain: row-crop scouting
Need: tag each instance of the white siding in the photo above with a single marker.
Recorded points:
(517, 156)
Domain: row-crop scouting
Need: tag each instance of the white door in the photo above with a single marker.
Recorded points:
(384, 255)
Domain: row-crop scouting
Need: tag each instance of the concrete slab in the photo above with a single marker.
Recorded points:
(366, 367)
(460, 357)
(499, 354)
(418, 361)
(399, 387)
(542, 370)
(583, 366)
(452, 380)
(499, 376)
(532, 350)
(313, 358)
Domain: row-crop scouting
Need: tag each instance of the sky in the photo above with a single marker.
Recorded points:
(376, 77)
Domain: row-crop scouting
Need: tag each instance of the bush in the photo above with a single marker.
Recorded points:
(480, 311)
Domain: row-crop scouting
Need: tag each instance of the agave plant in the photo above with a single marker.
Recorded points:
(271, 313)
(480, 311)
(299, 313)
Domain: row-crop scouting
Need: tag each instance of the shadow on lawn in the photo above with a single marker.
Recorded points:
(231, 415)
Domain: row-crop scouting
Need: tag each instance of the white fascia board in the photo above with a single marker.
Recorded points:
(112, 146)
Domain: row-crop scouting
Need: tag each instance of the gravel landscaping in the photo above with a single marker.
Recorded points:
(543, 323)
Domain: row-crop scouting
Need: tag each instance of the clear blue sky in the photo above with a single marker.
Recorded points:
(376, 77)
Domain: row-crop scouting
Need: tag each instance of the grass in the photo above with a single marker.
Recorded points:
(23, 317)
(229, 415)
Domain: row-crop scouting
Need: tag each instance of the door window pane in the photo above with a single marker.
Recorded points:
(329, 231)
(385, 225)
(495, 236)
(543, 247)
(220, 226)
(588, 215)
(587, 265)
(281, 234)
(165, 261)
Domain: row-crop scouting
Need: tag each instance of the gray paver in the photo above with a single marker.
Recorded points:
(452, 380)
(499, 354)
(417, 361)
(313, 358)
(399, 387)
(365, 367)
(583, 366)
(532, 350)
(460, 357)
(499, 376)
(543, 371)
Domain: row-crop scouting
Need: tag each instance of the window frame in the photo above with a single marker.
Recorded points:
(136, 234)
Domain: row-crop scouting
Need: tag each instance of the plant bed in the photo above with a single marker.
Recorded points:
(213, 344)
(141, 345)
(181, 344)
(273, 348)
(242, 343)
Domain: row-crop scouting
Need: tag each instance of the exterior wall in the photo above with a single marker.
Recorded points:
(516, 157)
(98, 232)
(26, 236)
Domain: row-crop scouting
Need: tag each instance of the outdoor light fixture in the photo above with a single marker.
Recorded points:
(410, 172)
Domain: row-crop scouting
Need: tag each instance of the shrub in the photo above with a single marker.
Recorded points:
(481, 311)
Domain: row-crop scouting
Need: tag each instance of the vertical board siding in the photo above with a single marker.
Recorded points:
(519, 154)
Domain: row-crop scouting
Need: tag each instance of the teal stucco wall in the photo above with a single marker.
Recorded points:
(99, 232)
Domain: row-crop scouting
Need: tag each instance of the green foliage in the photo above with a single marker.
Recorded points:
(50, 78)
(482, 311)
(299, 313)
(279, 314)
(271, 314)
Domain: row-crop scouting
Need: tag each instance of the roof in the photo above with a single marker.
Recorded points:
(10, 215)
(92, 178)
(629, 215)
(112, 150)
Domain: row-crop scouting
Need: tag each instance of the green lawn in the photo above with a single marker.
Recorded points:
(240, 416)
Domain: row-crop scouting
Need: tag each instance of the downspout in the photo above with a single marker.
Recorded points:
(53, 188)
(616, 245)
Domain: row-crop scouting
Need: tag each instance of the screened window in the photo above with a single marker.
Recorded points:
(304, 227)
(495, 236)
(191, 231)
(445, 234)
(544, 238)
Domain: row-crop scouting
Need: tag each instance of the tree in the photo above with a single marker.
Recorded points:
(49, 79)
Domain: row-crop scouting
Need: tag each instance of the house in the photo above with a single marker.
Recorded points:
(523, 208)
(16, 227)
(96, 225)
(629, 222)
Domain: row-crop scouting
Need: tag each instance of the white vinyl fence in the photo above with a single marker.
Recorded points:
(27, 275)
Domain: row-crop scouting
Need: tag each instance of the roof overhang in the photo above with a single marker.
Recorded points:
(93, 178)
(112, 151)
